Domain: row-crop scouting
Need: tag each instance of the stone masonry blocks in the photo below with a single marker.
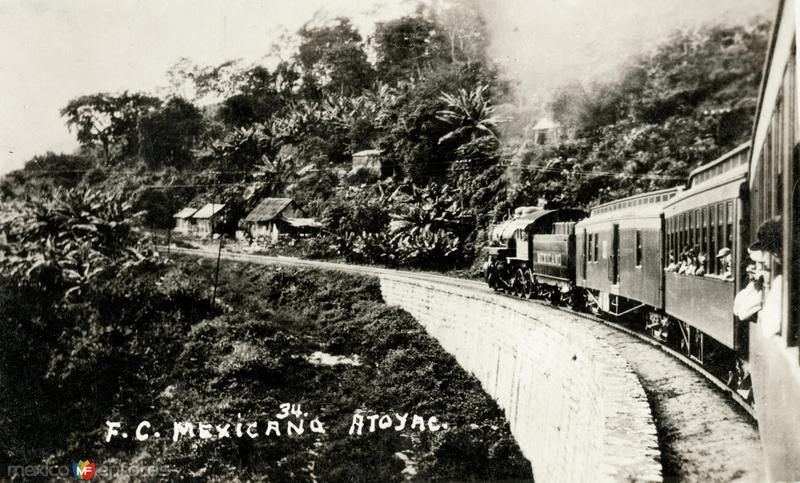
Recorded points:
(575, 406)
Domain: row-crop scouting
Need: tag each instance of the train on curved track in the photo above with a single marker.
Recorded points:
(670, 263)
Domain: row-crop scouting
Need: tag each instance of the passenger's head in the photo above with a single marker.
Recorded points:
(770, 239)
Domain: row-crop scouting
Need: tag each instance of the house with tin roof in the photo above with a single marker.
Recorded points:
(183, 220)
(273, 217)
(206, 218)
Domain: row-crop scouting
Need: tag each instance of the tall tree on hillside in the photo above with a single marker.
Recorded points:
(464, 28)
(197, 83)
(333, 59)
(262, 94)
(406, 47)
(108, 121)
(169, 134)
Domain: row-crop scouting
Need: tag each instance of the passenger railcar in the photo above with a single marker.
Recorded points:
(620, 259)
(775, 196)
(706, 219)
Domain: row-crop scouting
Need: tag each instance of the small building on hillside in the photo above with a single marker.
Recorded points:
(205, 217)
(369, 159)
(274, 217)
(545, 131)
(183, 220)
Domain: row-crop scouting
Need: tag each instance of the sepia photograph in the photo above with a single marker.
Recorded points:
(346, 241)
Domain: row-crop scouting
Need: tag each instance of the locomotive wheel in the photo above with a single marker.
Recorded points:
(567, 298)
(577, 300)
(520, 284)
(530, 285)
(592, 307)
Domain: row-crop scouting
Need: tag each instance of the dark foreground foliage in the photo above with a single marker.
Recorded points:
(148, 345)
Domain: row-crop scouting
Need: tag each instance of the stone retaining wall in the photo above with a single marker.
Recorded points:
(575, 407)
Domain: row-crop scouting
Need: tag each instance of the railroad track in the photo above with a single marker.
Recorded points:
(707, 432)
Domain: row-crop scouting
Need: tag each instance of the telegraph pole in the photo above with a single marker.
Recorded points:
(219, 250)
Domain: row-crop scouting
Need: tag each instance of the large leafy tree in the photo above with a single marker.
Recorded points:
(109, 121)
(168, 135)
(406, 47)
(333, 59)
(262, 94)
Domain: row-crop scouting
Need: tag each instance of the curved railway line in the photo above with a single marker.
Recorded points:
(706, 431)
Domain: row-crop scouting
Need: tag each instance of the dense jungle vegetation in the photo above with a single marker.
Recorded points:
(97, 327)
(457, 149)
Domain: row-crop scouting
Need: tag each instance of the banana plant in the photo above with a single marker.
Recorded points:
(65, 239)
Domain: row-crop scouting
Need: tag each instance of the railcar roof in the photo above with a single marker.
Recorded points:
(729, 161)
(638, 202)
(737, 173)
(632, 212)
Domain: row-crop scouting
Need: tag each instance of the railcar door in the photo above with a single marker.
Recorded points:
(613, 259)
(583, 255)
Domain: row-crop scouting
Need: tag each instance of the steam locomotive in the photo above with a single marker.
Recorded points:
(620, 258)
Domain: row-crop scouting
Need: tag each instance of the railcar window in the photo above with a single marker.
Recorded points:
(696, 228)
(779, 152)
(703, 231)
(596, 244)
(768, 175)
(675, 248)
(590, 250)
(697, 234)
(669, 236)
(705, 247)
(729, 227)
(585, 257)
(712, 241)
(720, 233)
(685, 229)
(638, 248)
(673, 244)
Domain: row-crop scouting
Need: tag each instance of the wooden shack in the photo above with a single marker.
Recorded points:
(369, 160)
(205, 218)
(183, 220)
(273, 217)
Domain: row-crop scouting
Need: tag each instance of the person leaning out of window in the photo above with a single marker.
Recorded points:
(770, 248)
